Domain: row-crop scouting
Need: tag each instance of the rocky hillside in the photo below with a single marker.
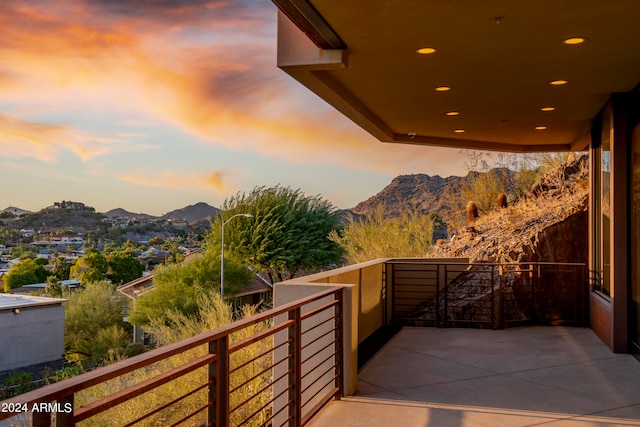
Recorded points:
(550, 225)
(424, 193)
(73, 220)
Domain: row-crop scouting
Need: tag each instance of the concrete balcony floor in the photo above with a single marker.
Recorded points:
(550, 376)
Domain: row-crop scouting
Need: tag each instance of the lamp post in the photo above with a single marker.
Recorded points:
(246, 215)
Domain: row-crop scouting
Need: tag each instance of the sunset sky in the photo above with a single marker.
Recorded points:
(153, 105)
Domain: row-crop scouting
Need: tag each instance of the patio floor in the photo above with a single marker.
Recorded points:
(551, 376)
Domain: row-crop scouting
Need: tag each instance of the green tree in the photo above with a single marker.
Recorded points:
(123, 267)
(288, 233)
(89, 316)
(119, 267)
(155, 241)
(92, 267)
(116, 234)
(22, 251)
(53, 288)
(25, 272)
(61, 268)
(409, 234)
(177, 287)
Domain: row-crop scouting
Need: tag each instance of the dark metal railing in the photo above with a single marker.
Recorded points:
(488, 295)
(276, 368)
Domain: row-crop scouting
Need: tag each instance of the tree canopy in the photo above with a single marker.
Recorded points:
(25, 272)
(119, 267)
(92, 318)
(178, 287)
(288, 232)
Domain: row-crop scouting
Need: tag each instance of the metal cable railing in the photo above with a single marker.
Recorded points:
(488, 295)
(274, 368)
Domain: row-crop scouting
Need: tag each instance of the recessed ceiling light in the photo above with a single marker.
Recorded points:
(558, 82)
(443, 88)
(426, 50)
(541, 127)
(452, 113)
(459, 131)
(574, 40)
(548, 108)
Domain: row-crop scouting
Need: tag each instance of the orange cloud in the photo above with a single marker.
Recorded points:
(205, 66)
(22, 138)
(196, 181)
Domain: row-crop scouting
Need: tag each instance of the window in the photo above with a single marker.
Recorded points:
(602, 207)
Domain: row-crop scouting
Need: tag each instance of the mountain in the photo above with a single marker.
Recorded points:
(122, 213)
(192, 213)
(424, 193)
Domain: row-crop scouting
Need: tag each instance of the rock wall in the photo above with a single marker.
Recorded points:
(565, 241)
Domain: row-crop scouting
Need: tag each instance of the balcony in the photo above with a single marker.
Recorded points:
(539, 375)
(305, 357)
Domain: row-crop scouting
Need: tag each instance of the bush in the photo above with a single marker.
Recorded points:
(408, 235)
(19, 383)
(175, 326)
(93, 318)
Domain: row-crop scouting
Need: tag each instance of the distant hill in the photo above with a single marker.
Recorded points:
(15, 211)
(122, 213)
(422, 192)
(192, 213)
(78, 220)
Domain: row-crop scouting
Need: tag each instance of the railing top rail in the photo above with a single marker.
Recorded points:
(68, 387)
(438, 262)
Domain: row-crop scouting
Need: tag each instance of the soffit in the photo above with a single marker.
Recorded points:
(498, 57)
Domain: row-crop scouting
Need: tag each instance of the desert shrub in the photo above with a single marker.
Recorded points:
(484, 188)
(92, 318)
(175, 326)
(409, 234)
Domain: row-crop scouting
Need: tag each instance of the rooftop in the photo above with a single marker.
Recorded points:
(555, 376)
(10, 301)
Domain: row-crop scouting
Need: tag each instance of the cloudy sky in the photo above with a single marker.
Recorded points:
(152, 105)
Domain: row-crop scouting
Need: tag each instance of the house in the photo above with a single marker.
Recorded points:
(74, 206)
(67, 239)
(490, 75)
(33, 333)
(503, 76)
(26, 232)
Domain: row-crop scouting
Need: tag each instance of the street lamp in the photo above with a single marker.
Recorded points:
(246, 215)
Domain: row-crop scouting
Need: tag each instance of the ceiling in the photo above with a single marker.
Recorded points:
(498, 58)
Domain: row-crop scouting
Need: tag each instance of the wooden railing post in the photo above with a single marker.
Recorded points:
(218, 414)
(295, 369)
(58, 414)
(41, 419)
(64, 416)
(340, 322)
